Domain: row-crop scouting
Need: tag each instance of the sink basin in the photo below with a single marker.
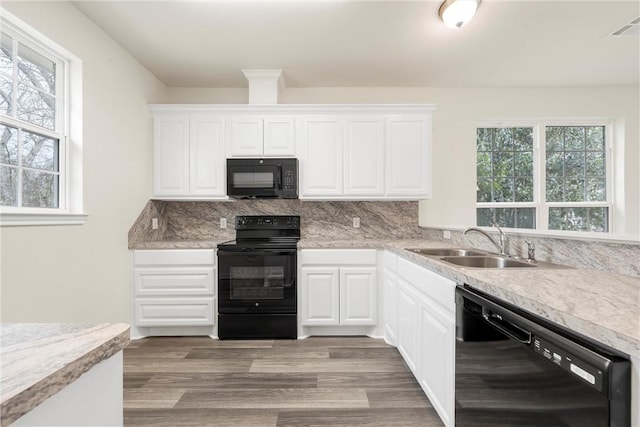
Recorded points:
(486, 261)
(445, 252)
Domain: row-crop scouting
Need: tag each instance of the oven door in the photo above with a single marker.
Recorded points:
(258, 180)
(257, 281)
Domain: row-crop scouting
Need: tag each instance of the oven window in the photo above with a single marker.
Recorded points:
(253, 180)
(257, 283)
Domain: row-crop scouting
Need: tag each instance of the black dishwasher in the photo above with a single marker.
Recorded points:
(516, 369)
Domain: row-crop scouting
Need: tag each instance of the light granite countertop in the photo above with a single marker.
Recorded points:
(600, 305)
(37, 360)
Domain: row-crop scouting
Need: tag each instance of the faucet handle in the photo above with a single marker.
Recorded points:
(531, 250)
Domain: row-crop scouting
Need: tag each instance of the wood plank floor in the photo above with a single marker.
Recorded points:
(319, 381)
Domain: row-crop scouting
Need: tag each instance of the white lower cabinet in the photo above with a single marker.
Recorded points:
(173, 292)
(426, 333)
(408, 332)
(390, 296)
(338, 287)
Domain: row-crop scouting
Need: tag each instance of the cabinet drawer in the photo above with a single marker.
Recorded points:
(438, 288)
(338, 256)
(174, 257)
(174, 311)
(174, 281)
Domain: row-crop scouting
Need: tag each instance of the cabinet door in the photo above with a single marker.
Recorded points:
(171, 155)
(207, 175)
(358, 300)
(408, 332)
(320, 299)
(279, 137)
(390, 306)
(364, 157)
(321, 157)
(437, 336)
(408, 156)
(245, 136)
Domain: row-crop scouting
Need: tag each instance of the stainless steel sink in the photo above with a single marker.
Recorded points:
(486, 261)
(445, 252)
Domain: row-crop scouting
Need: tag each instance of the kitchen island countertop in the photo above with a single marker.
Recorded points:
(37, 360)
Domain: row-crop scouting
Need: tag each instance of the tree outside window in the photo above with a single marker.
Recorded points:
(572, 182)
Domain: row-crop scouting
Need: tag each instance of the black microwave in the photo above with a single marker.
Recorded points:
(262, 178)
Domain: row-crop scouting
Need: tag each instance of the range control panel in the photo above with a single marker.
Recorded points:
(568, 362)
(255, 222)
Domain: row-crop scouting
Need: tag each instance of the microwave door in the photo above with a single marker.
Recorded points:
(253, 181)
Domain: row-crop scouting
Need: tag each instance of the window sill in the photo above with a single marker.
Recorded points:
(31, 219)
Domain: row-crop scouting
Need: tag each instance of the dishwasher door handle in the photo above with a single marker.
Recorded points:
(510, 329)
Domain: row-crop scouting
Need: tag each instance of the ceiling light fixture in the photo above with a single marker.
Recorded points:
(456, 13)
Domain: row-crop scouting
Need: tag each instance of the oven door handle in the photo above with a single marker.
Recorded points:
(510, 329)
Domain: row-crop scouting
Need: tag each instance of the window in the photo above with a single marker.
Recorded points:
(36, 168)
(544, 176)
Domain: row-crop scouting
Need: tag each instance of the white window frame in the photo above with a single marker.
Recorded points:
(68, 130)
(539, 176)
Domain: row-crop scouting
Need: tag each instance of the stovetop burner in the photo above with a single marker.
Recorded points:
(264, 231)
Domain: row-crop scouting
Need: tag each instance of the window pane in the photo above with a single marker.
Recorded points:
(39, 152)
(574, 164)
(8, 186)
(39, 189)
(6, 54)
(36, 70)
(573, 173)
(595, 164)
(579, 219)
(36, 107)
(555, 164)
(555, 187)
(484, 139)
(507, 217)
(555, 138)
(574, 190)
(596, 189)
(6, 91)
(8, 145)
(503, 141)
(484, 190)
(523, 139)
(484, 164)
(503, 163)
(524, 164)
(574, 138)
(595, 138)
(505, 173)
(524, 189)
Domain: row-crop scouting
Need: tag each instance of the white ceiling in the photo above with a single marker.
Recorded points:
(376, 43)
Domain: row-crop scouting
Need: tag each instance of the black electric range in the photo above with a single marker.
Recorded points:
(257, 275)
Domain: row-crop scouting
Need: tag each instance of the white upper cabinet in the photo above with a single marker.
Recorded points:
(321, 157)
(206, 147)
(188, 154)
(363, 167)
(359, 155)
(408, 145)
(257, 136)
(345, 152)
(171, 155)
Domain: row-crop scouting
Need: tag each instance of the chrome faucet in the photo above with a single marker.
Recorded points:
(503, 246)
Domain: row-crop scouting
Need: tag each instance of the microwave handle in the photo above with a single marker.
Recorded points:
(279, 178)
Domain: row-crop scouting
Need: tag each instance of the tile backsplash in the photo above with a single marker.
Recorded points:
(323, 220)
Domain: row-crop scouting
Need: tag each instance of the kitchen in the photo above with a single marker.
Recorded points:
(118, 137)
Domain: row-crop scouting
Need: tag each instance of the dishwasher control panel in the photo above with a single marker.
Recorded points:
(568, 362)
